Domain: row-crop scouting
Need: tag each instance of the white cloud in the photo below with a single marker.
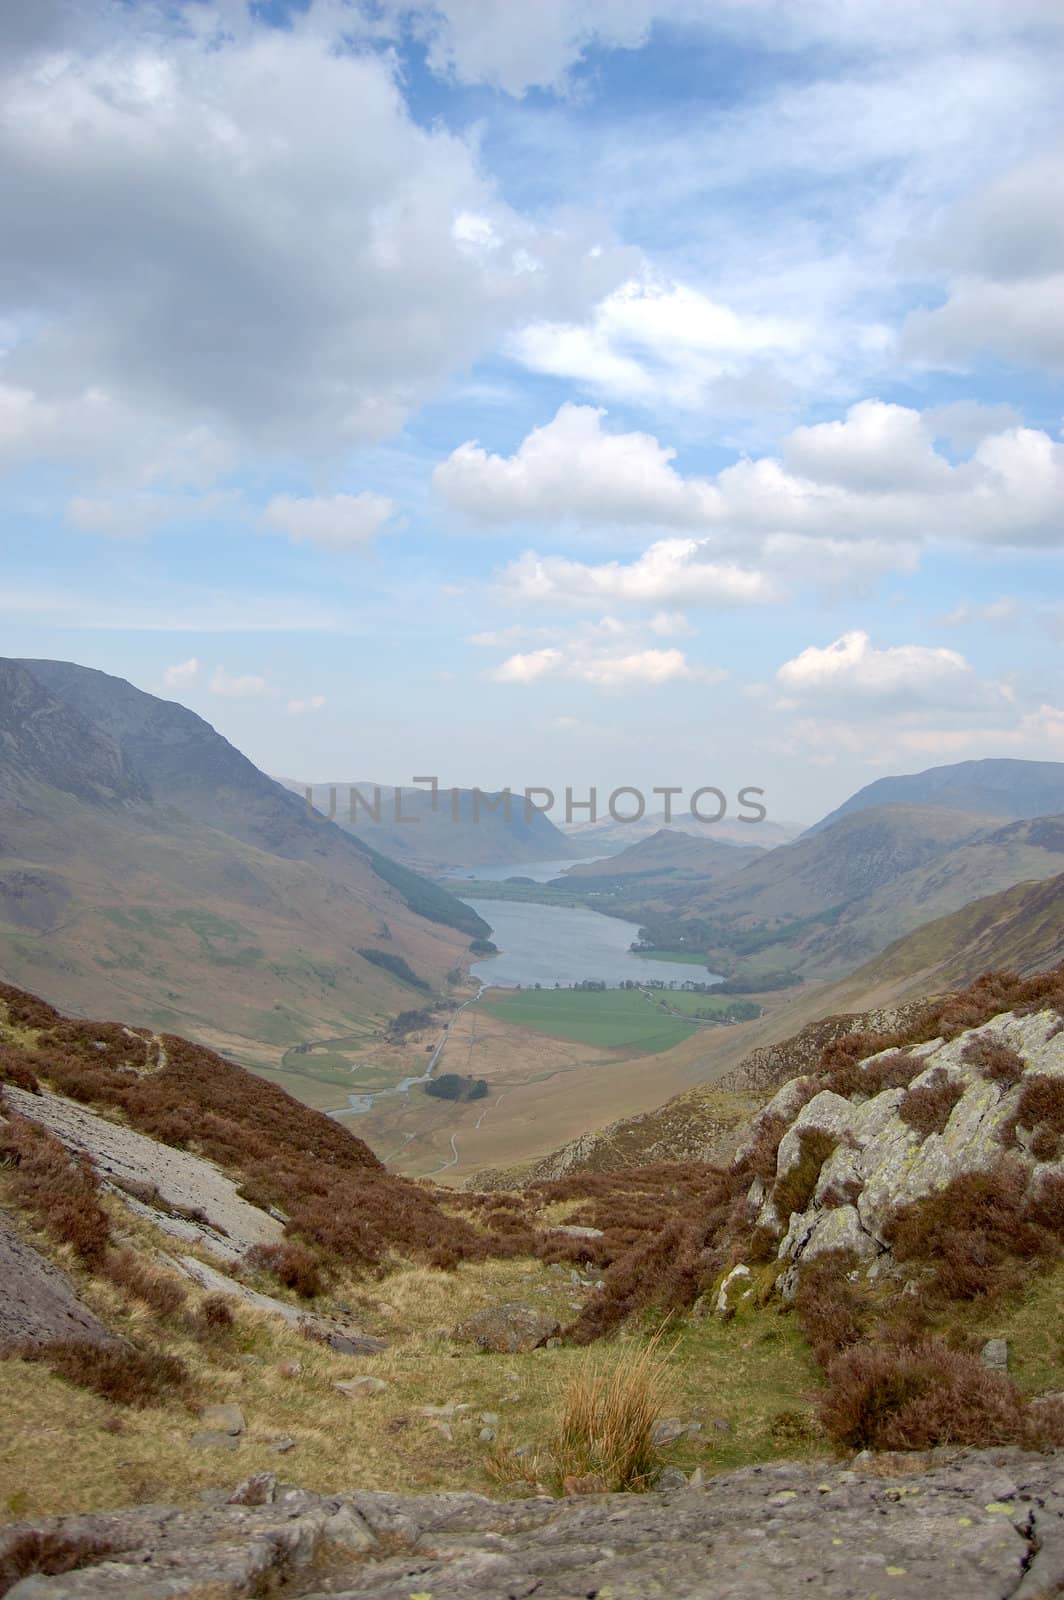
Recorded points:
(181, 673)
(518, 47)
(656, 342)
(1004, 248)
(333, 522)
(239, 686)
(528, 667)
(671, 572)
(571, 467)
(214, 224)
(299, 708)
(607, 654)
(854, 671)
(874, 475)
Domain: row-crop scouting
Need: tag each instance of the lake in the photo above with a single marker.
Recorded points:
(565, 944)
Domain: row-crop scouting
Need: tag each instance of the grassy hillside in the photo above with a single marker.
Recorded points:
(151, 871)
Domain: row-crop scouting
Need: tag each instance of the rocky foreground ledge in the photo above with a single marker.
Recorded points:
(984, 1525)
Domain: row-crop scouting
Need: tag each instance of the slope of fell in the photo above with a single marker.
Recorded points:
(996, 787)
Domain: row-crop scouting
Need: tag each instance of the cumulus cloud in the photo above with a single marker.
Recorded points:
(572, 468)
(653, 340)
(240, 686)
(874, 474)
(671, 572)
(855, 672)
(607, 654)
(174, 262)
(333, 522)
(181, 673)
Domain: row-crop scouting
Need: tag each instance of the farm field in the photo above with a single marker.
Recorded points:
(612, 1019)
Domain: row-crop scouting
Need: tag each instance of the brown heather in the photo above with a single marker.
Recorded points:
(926, 1109)
(997, 1062)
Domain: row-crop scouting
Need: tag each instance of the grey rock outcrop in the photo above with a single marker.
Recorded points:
(38, 1303)
(509, 1329)
(191, 1198)
(984, 1526)
(879, 1162)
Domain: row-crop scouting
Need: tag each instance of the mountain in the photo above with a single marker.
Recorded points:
(457, 828)
(148, 868)
(992, 788)
(846, 862)
(1019, 929)
(668, 854)
(606, 836)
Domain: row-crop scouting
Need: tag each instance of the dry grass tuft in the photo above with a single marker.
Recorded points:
(608, 1411)
(926, 1109)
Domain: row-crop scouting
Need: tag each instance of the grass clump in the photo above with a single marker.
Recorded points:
(794, 1189)
(604, 1436)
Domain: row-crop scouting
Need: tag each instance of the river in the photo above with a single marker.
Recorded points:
(567, 944)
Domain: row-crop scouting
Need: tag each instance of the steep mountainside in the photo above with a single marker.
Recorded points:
(149, 869)
(991, 788)
(669, 854)
(844, 863)
(462, 828)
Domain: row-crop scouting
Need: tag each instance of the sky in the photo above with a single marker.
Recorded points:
(593, 393)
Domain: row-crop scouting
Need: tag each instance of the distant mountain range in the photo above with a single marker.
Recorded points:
(991, 788)
(838, 895)
(663, 855)
(150, 869)
(606, 836)
(457, 828)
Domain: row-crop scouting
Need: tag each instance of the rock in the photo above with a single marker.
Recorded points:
(995, 1356)
(486, 1435)
(445, 1430)
(721, 1424)
(223, 1419)
(572, 1231)
(215, 1441)
(454, 1408)
(779, 1531)
(666, 1431)
(281, 1447)
(555, 1343)
(359, 1388)
(347, 1343)
(511, 1329)
(39, 1304)
(735, 1281)
(490, 1419)
(670, 1478)
(258, 1490)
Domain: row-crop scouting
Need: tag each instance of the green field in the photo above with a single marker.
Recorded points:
(709, 1007)
(689, 958)
(614, 1019)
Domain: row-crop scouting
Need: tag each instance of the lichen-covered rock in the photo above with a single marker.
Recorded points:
(732, 1289)
(881, 1163)
(509, 1329)
(978, 1527)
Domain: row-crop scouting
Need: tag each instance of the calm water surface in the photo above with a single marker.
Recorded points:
(566, 944)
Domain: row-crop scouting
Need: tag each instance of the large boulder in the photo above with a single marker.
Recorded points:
(39, 1305)
(880, 1162)
(510, 1329)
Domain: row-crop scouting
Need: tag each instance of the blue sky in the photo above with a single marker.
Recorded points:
(629, 392)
